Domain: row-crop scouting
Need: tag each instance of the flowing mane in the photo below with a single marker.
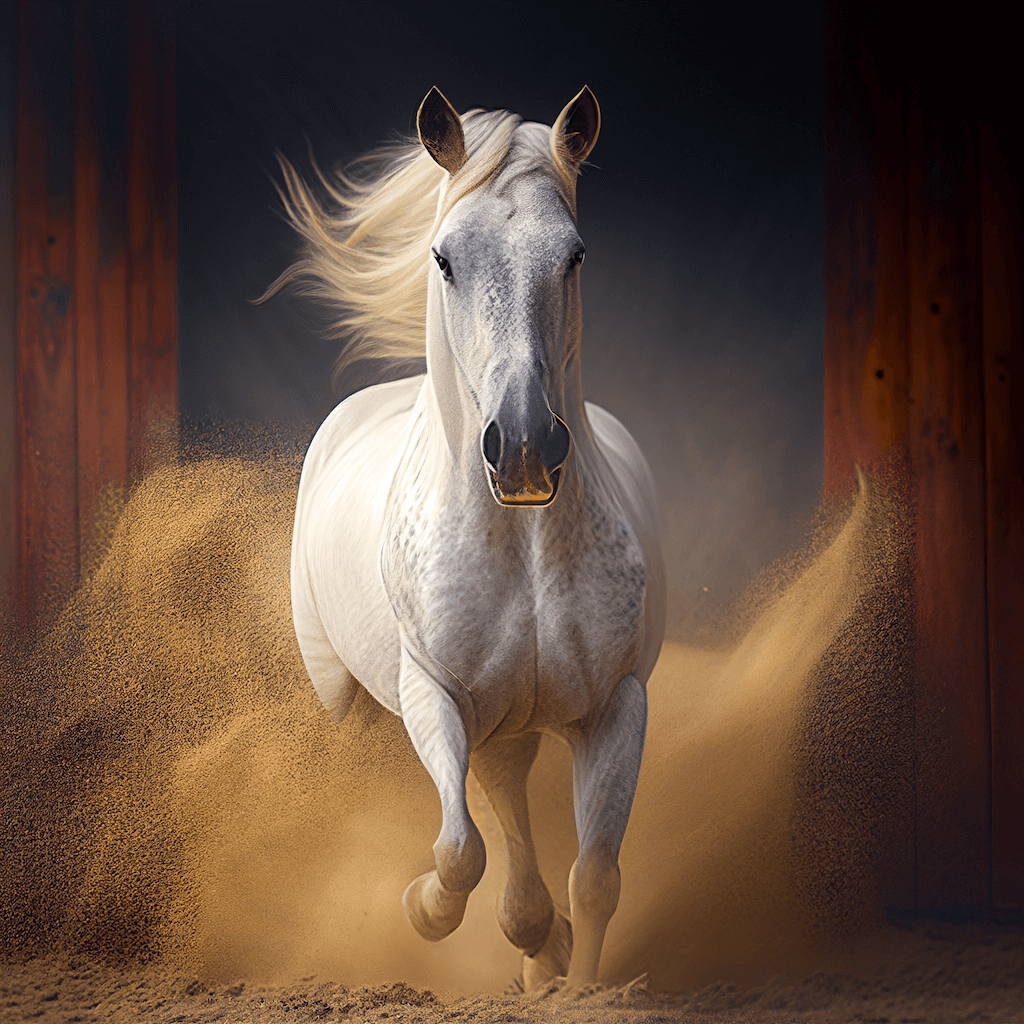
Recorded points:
(366, 241)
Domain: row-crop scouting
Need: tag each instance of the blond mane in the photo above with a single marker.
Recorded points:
(366, 242)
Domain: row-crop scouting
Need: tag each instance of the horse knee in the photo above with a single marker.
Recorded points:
(460, 859)
(594, 884)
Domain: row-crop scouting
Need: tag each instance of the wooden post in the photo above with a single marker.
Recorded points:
(10, 572)
(1003, 369)
(923, 360)
(947, 455)
(101, 263)
(153, 233)
(867, 366)
(96, 253)
(866, 341)
(46, 391)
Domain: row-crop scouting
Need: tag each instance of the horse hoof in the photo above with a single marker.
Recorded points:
(432, 910)
(544, 972)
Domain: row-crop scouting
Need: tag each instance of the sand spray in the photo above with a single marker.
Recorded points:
(172, 789)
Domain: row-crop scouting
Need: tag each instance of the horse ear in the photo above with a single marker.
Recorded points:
(440, 131)
(574, 133)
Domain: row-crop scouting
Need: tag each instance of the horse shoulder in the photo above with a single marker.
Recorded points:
(337, 593)
(632, 474)
(359, 430)
(633, 486)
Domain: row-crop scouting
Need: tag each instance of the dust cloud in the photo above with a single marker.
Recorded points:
(172, 790)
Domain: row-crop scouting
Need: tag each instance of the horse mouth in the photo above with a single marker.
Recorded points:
(528, 494)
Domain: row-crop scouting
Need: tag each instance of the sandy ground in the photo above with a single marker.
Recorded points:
(185, 835)
(926, 971)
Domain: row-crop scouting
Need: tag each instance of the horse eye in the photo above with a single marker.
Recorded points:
(444, 265)
(579, 255)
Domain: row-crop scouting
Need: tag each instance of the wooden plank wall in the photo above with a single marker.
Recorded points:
(8, 321)
(47, 520)
(96, 271)
(152, 232)
(922, 355)
(1003, 367)
(101, 259)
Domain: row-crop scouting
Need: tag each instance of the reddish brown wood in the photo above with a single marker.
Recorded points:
(938, 297)
(947, 454)
(152, 227)
(866, 268)
(849, 243)
(46, 353)
(1001, 236)
(9, 504)
(101, 271)
(96, 250)
(866, 411)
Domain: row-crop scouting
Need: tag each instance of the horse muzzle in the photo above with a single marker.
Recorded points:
(526, 472)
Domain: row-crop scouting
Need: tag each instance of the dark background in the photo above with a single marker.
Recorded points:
(703, 218)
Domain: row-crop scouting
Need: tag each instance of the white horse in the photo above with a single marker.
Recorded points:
(477, 547)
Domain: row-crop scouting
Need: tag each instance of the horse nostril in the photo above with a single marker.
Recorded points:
(492, 445)
(556, 447)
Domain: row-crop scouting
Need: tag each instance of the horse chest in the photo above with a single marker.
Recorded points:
(540, 620)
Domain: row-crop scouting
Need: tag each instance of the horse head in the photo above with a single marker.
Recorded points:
(505, 298)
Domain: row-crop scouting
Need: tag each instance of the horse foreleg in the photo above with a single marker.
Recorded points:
(436, 902)
(525, 911)
(606, 765)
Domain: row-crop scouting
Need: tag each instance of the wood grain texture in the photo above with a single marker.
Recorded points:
(153, 237)
(46, 353)
(1001, 237)
(947, 454)
(9, 513)
(101, 264)
(866, 355)
(866, 415)
(96, 250)
(923, 354)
